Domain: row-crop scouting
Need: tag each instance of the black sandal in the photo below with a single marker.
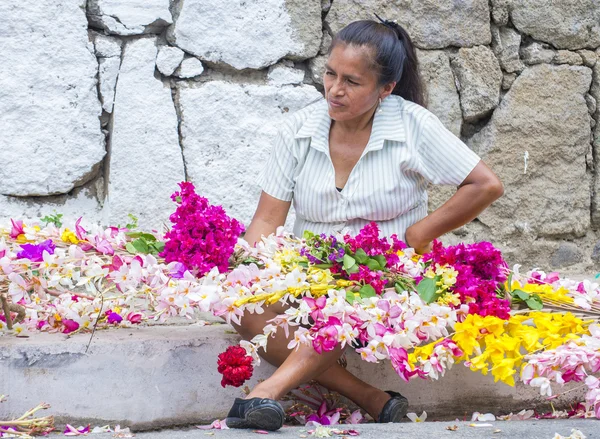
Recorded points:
(394, 410)
(256, 413)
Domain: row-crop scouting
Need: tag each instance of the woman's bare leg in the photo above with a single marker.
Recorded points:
(305, 364)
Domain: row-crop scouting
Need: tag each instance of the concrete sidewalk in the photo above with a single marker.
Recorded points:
(166, 376)
(537, 429)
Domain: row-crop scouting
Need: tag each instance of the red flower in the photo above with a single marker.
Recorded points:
(235, 366)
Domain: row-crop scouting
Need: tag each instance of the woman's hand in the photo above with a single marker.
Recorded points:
(412, 239)
(477, 191)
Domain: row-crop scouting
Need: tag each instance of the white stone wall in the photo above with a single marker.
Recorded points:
(106, 104)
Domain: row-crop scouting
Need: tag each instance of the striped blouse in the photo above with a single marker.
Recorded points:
(408, 148)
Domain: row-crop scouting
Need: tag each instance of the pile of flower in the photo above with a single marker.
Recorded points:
(423, 313)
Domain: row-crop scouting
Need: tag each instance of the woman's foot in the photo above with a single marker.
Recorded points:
(395, 408)
(258, 413)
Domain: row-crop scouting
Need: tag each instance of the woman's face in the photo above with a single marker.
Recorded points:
(351, 82)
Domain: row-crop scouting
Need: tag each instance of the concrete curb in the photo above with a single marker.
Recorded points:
(164, 376)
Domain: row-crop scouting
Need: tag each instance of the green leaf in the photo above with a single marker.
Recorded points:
(349, 261)
(367, 291)
(350, 297)
(323, 266)
(134, 222)
(178, 199)
(54, 219)
(399, 289)
(509, 281)
(382, 260)
(307, 234)
(146, 236)
(159, 246)
(130, 248)
(427, 289)
(535, 302)
(353, 269)
(141, 246)
(521, 294)
(361, 256)
(373, 264)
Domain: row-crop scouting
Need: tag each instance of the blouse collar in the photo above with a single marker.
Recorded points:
(387, 125)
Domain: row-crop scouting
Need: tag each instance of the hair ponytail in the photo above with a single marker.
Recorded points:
(395, 54)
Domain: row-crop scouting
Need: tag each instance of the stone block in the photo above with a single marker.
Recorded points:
(541, 122)
(316, 66)
(168, 59)
(507, 80)
(567, 254)
(442, 97)
(596, 252)
(566, 24)
(537, 53)
(108, 72)
(84, 201)
(284, 73)
(589, 57)
(190, 68)
(567, 57)
(500, 11)
(595, 94)
(273, 29)
(227, 133)
(106, 46)
(478, 79)
(432, 24)
(132, 17)
(505, 44)
(49, 108)
(146, 161)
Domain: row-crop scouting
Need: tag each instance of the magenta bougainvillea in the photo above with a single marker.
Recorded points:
(203, 236)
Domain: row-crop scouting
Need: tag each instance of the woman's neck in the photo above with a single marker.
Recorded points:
(364, 122)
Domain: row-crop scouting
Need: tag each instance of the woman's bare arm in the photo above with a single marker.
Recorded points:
(480, 189)
(270, 214)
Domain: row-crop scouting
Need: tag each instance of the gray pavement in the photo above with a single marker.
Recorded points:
(536, 429)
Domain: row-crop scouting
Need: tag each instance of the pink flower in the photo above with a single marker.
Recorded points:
(325, 415)
(134, 317)
(399, 358)
(72, 431)
(80, 232)
(70, 326)
(327, 335)
(113, 317)
(103, 246)
(316, 305)
(16, 229)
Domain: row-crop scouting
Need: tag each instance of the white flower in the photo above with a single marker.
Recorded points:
(543, 384)
(413, 417)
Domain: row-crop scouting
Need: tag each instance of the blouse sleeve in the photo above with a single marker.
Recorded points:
(277, 175)
(444, 158)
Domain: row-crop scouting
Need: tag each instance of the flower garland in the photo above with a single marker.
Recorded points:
(424, 314)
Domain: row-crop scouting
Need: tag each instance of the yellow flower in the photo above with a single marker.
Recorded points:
(546, 291)
(505, 371)
(449, 299)
(69, 237)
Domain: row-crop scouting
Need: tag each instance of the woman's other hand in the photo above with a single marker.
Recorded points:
(270, 213)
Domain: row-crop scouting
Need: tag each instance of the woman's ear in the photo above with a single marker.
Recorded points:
(387, 90)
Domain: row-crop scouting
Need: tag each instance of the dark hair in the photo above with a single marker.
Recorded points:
(395, 55)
